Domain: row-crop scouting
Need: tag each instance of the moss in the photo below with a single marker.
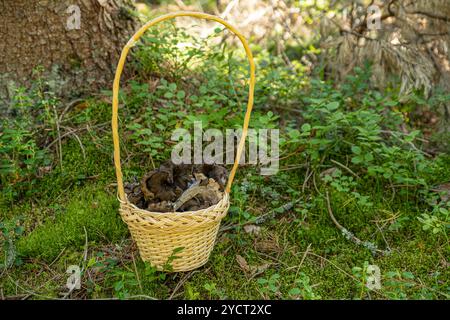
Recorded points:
(90, 213)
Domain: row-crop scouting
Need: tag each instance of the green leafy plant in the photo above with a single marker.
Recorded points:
(213, 291)
(303, 289)
(360, 273)
(10, 231)
(270, 286)
(438, 220)
(397, 283)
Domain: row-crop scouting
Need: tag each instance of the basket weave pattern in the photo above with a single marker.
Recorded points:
(158, 234)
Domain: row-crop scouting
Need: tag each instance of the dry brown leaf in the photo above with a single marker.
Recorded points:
(81, 106)
(43, 171)
(252, 229)
(257, 270)
(251, 271)
(242, 263)
(267, 246)
(443, 190)
(327, 172)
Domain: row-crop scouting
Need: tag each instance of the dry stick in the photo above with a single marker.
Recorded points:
(136, 271)
(384, 238)
(59, 137)
(390, 132)
(100, 125)
(56, 259)
(264, 217)
(395, 135)
(292, 167)
(307, 176)
(314, 184)
(85, 245)
(303, 260)
(81, 144)
(32, 293)
(348, 234)
(345, 168)
(69, 106)
(17, 297)
(272, 214)
(228, 8)
(44, 268)
(343, 271)
(72, 132)
(393, 191)
(142, 296)
(181, 283)
(273, 258)
(299, 149)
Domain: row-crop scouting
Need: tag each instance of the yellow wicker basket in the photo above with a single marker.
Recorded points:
(183, 240)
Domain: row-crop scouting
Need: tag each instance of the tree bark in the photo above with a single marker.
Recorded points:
(76, 57)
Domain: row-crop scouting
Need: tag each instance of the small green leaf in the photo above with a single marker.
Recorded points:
(408, 275)
(357, 159)
(391, 103)
(356, 150)
(178, 250)
(306, 127)
(118, 285)
(181, 94)
(168, 95)
(294, 292)
(332, 105)
(368, 156)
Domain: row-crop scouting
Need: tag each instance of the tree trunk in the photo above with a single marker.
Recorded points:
(77, 43)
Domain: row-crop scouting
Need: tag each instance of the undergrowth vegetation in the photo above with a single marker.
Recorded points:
(360, 182)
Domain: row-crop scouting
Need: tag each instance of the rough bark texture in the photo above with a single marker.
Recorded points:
(38, 33)
(411, 42)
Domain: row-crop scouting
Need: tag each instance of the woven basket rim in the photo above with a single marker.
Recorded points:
(225, 199)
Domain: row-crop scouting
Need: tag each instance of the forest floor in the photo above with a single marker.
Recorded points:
(299, 253)
(348, 169)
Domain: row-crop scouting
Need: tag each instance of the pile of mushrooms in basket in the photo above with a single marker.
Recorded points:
(183, 187)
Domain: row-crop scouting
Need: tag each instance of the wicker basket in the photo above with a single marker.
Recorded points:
(183, 240)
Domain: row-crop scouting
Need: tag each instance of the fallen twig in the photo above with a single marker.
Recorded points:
(57, 257)
(262, 218)
(76, 130)
(349, 235)
(303, 260)
(181, 283)
(136, 272)
(58, 131)
(345, 168)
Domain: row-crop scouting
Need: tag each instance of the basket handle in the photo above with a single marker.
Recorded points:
(120, 65)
